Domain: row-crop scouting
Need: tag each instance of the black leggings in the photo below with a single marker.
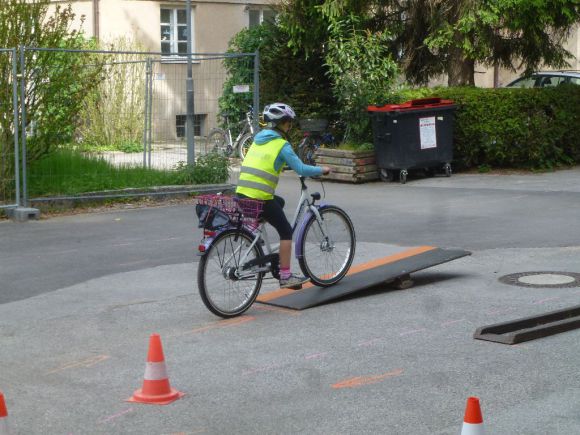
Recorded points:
(273, 213)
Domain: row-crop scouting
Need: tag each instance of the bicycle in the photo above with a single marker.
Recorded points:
(233, 263)
(313, 139)
(220, 140)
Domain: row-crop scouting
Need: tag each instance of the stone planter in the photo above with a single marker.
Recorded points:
(348, 165)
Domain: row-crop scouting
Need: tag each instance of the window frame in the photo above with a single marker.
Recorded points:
(260, 10)
(174, 26)
(198, 124)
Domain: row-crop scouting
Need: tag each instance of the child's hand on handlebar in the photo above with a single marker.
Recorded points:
(325, 170)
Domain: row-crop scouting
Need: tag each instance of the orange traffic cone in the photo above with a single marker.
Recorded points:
(3, 416)
(473, 421)
(156, 389)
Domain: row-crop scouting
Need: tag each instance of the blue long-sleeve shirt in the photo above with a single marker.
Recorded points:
(287, 155)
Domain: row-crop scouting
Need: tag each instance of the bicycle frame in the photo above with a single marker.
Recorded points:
(304, 209)
(248, 126)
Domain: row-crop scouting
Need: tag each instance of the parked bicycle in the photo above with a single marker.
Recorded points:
(220, 140)
(233, 262)
(315, 136)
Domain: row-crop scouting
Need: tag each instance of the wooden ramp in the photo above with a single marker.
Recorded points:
(363, 276)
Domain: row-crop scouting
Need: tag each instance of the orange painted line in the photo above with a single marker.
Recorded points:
(353, 270)
(89, 362)
(366, 380)
(277, 309)
(216, 325)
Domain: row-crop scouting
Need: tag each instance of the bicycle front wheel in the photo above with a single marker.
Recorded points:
(217, 142)
(226, 289)
(328, 246)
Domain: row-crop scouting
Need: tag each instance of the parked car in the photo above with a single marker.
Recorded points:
(544, 79)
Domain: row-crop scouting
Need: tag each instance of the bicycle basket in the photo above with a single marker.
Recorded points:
(313, 125)
(216, 211)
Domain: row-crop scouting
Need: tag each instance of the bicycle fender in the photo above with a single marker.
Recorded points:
(205, 243)
(298, 253)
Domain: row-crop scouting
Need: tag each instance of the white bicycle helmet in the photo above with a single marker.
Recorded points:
(278, 112)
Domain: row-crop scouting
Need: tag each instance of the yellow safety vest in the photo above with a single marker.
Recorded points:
(258, 177)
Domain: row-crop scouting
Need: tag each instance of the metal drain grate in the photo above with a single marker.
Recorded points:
(543, 279)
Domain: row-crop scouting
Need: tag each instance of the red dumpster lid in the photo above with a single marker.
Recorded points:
(418, 104)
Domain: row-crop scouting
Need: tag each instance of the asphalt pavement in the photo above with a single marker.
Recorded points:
(80, 296)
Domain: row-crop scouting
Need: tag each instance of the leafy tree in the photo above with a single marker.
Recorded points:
(362, 72)
(56, 82)
(447, 36)
(285, 75)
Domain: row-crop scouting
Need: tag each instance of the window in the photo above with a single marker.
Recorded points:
(173, 31)
(550, 81)
(181, 120)
(526, 82)
(258, 16)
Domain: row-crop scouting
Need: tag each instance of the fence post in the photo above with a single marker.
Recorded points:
(189, 94)
(15, 107)
(256, 103)
(23, 124)
(146, 114)
(150, 111)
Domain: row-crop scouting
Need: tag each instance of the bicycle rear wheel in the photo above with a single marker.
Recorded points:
(306, 150)
(217, 142)
(221, 289)
(327, 246)
(245, 144)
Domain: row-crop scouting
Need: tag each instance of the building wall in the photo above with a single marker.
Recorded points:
(214, 24)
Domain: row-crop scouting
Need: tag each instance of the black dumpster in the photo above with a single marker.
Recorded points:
(417, 134)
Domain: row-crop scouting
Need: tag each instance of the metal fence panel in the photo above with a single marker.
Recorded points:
(94, 119)
(9, 149)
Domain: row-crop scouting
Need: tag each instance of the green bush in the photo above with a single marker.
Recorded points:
(512, 128)
(209, 169)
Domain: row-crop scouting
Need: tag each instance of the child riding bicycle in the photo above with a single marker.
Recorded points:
(259, 176)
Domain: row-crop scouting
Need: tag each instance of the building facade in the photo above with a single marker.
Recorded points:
(161, 27)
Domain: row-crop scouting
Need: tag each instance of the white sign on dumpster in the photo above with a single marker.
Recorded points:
(427, 133)
(241, 89)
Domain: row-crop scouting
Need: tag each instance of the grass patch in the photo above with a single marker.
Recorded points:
(67, 172)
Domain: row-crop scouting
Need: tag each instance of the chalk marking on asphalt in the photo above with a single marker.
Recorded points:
(114, 307)
(413, 331)
(452, 322)
(132, 263)
(369, 342)
(189, 432)
(262, 369)
(167, 239)
(501, 310)
(277, 309)
(89, 362)
(359, 381)
(113, 417)
(116, 245)
(217, 325)
(541, 301)
(316, 355)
